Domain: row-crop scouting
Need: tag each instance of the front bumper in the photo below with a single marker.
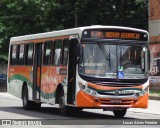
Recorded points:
(87, 101)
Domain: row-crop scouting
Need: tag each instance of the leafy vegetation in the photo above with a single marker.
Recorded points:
(21, 17)
(154, 93)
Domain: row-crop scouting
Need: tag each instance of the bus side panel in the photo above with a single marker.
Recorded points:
(50, 79)
(16, 77)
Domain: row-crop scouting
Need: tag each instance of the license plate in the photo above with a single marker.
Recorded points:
(115, 101)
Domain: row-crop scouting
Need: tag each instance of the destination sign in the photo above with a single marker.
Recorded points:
(121, 35)
(110, 34)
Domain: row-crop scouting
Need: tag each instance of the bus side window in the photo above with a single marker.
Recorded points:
(21, 55)
(65, 52)
(47, 53)
(29, 54)
(57, 52)
(17, 54)
(13, 59)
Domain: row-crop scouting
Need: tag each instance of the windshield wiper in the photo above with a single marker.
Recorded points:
(123, 56)
(106, 55)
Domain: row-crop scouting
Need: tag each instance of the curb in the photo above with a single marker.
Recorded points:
(154, 97)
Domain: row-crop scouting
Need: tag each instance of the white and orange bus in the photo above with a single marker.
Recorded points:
(103, 67)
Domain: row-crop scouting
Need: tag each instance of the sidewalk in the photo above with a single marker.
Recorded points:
(153, 107)
(8, 96)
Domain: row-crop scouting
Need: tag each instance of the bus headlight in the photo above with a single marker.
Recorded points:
(93, 93)
(88, 90)
(137, 94)
(144, 91)
(85, 88)
(82, 87)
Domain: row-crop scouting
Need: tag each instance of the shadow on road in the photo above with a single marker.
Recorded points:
(53, 113)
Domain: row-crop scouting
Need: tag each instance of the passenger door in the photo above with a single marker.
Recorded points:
(72, 71)
(37, 71)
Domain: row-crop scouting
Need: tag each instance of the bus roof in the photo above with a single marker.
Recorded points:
(68, 32)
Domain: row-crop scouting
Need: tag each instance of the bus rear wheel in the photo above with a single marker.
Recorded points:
(119, 113)
(26, 103)
(29, 105)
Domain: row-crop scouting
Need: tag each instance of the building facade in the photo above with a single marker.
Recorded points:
(154, 31)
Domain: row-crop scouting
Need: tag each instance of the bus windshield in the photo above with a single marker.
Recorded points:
(124, 61)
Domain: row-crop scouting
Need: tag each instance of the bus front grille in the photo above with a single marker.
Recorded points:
(113, 94)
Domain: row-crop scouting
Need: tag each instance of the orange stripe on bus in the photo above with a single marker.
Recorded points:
(40, 40)
(100, 87)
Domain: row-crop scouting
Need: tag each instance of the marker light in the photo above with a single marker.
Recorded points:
(137, 94)
(146, 89)
(144, 49)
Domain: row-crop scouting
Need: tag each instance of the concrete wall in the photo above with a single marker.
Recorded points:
(154, 31)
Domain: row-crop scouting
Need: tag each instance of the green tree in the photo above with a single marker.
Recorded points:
(21, 17)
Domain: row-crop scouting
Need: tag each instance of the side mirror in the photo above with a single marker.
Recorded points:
(78, 51)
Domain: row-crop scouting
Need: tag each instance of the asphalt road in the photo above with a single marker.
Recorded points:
(11, 109)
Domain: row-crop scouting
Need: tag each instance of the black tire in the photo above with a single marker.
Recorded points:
(27, 105)
(78, 109)
(120, 113)
(36, 106)
(64, 110)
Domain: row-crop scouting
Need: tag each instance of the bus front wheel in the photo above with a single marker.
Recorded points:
(64, 110)
(120, 113)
